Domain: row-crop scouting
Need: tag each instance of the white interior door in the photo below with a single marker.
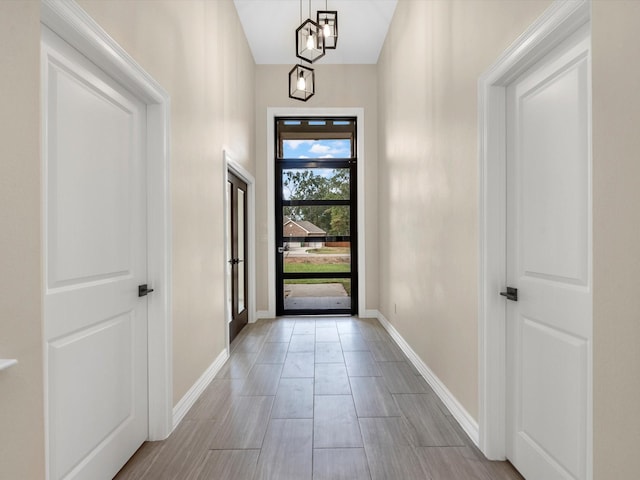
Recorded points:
(95, 258)
(549, 327)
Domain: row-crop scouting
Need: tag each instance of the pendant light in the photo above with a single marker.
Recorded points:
(309, 39)
(302, 83)
(328, 21)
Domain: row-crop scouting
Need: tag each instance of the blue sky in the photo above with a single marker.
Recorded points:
(316, 149)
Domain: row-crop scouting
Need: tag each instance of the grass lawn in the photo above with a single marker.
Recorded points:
(346, 283)
(316, 267)
(300, 267)
(329, 250)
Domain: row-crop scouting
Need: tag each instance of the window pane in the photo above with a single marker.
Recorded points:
(228, 249)
(316, 221)
(241, 249)
(324, 148)
(317, 294)
(317, 257)
(315, 184)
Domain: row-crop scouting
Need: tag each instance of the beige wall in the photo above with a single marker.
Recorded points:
(616, 238)
(21, 387)
(337, 86)
(197, 51)
(428, 129)
(428, 196)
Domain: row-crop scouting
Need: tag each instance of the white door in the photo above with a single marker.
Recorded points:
(549, 327)
(95, 257)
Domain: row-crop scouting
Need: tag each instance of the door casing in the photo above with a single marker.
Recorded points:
(558, 22)
(78, 29)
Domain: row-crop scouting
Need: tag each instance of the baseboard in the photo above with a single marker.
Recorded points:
(260, 314)
(369, 314)
(186, 402)
(466, 421)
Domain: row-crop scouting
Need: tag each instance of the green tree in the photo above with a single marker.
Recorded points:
(307, 185)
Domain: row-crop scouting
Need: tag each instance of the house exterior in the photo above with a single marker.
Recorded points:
(303, 228)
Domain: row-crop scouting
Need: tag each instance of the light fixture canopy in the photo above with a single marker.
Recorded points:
(302, 83)
(309, 41)
(328, 22)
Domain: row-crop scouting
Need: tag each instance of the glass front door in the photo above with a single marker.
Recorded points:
(316, 216)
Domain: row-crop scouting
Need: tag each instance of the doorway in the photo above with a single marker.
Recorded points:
(535, 349)
(237, 202)
(80, 64)
(316, 215)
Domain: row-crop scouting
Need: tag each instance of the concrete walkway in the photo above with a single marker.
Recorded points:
(322, 296)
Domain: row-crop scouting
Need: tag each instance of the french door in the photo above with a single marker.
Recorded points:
(316, 222)
(237, 253)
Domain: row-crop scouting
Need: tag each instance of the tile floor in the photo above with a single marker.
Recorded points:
(322, 399)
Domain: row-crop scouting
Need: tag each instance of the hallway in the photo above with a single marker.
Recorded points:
(327, 398)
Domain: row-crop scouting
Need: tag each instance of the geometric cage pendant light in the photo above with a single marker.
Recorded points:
(309, 39)
(328, 21)
(302, 83)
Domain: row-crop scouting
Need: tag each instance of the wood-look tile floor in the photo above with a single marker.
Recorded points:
(316, 399)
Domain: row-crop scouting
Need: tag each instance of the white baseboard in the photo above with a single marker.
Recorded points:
(260, 314)
(466, 421)
(186, 402)
(369, 314)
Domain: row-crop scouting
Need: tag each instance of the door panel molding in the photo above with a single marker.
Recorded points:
(272, 113)
(229, 164)
(559, 22)
(78, 29)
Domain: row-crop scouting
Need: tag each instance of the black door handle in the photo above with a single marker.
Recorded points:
(143, 290)
(511, 294)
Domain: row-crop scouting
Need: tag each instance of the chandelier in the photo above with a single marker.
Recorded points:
(313, 38)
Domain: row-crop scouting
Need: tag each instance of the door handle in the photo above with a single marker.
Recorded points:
(234, 261)
(511, 294)
(143, 290)
(280, 249)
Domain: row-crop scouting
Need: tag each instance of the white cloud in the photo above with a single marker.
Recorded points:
(318, 148)
(293, 144)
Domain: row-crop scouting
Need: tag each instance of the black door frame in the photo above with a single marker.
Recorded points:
(347, 163)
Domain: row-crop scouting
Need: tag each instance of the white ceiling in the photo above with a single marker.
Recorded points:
(270, 27)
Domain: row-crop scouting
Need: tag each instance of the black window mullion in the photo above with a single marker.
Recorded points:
(288, 163)
(312, 275)
(315, 203)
